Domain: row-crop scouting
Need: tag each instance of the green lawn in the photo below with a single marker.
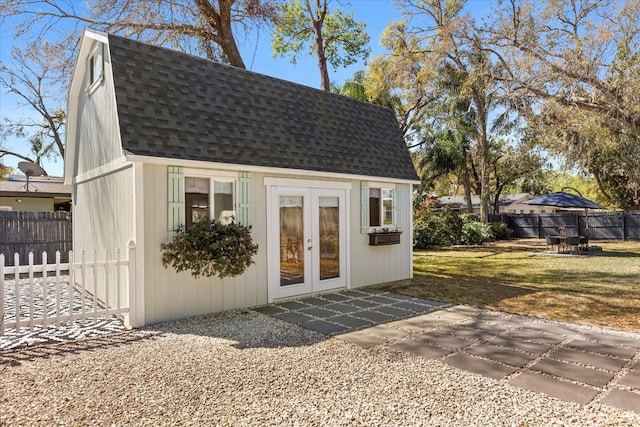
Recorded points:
(513, 276)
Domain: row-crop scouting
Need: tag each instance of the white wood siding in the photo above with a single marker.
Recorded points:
(103, 215)
(372, 265)
(97, 135)
(103, 219)
(103, 199)
(170, 295)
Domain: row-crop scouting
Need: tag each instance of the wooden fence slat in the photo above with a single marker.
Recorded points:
(83, 287)
(31, 302)
(72, 282)
(117, 280)
(16, 283)
(106, 279)
(58, 288)
(2, 290)
(31, 294)
(45, 289)
(95, 282)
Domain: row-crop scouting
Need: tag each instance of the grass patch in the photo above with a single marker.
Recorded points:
(514, 276)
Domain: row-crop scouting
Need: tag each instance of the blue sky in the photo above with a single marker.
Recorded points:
(257, 54)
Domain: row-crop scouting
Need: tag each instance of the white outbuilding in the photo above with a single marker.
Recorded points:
(157, 138)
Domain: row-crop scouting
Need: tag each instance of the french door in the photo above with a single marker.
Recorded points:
(307, 247)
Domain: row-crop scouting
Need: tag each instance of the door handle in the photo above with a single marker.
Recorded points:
(309, 248)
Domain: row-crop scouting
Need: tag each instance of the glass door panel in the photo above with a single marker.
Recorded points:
(329, 237)
(307, 252)
(291, 240)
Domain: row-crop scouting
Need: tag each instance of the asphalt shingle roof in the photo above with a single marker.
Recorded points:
(174, 105)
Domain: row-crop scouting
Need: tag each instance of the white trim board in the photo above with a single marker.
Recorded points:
(106, 169)
(260, 169)
(306, 183)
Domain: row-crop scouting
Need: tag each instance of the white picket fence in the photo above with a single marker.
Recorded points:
(52, 293)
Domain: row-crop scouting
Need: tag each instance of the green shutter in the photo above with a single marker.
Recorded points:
(244, 199)
(364, 207)
(176, 210)
(397, 197)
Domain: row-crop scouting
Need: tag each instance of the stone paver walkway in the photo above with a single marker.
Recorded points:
(570, 362)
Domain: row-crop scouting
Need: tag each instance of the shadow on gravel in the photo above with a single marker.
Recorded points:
(15, 356)
(294, 323)
(243, 328)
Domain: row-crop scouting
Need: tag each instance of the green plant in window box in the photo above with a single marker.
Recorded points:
(386, 230)
(209, 248)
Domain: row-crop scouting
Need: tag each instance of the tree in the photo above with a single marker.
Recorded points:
(355, 87)
(4, 171)
(204, 27)
(333, 36)
(442, 38)
(572, 66)
(514, 167)
(359, 88)
(406, 75)
(448, 148)
(34, 79)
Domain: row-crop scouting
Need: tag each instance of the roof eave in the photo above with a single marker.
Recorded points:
(263, 169)
(34, 194)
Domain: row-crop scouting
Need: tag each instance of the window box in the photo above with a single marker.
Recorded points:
(384, 238)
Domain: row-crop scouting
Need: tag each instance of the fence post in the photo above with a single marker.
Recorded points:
(625, 230)
(577, 223)
(539, 226)
(131, 268)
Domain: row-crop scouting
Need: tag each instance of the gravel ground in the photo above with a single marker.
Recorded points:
(244, 368)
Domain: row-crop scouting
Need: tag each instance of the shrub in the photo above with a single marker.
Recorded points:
(446, 227)
(210, 248)
(500, 230)
(475, 233)
(437, 228)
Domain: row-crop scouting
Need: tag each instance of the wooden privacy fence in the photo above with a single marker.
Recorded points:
(50, 293)
(601, 225)
(36, 232)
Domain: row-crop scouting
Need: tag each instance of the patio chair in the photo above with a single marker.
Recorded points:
(584, 243)
(574, 243)
(553, 241)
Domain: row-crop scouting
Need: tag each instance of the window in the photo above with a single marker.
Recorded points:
(196, 199)
(202, 202)
(196, 193)
(95, 67)
(381, 207)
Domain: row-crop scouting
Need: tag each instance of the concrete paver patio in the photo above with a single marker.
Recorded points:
(575, 364)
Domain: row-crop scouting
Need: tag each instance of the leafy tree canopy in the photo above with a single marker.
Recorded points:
(333, 36)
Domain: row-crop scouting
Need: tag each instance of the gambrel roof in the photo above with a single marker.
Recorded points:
(173, 105)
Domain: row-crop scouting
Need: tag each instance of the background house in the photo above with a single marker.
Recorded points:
(509, 203)
(44, 194)
(158, 138)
